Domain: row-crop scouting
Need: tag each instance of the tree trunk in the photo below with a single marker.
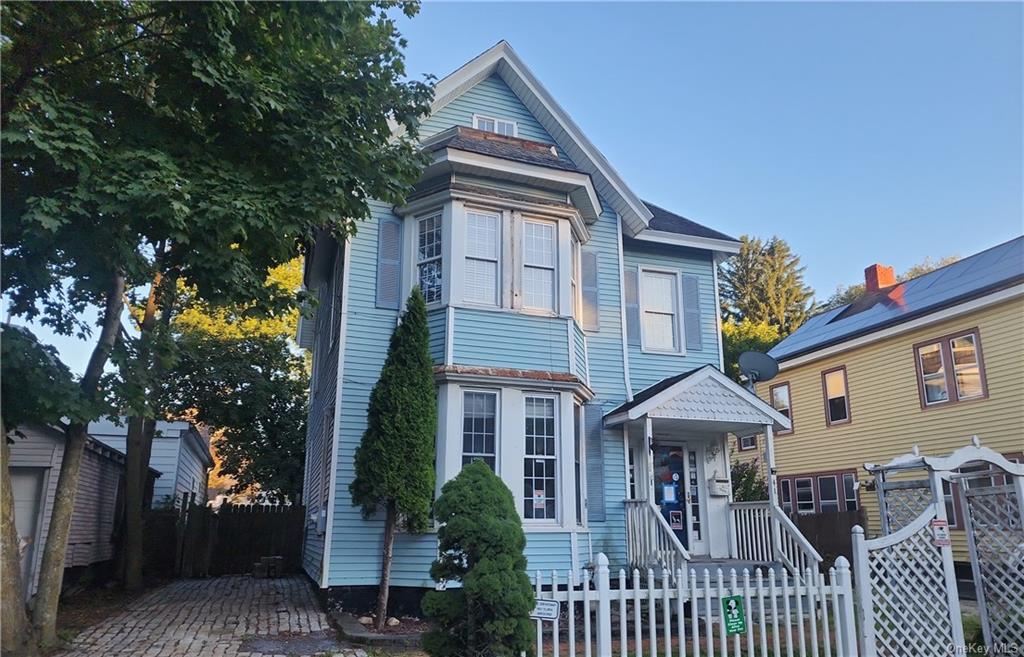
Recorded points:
(51, 571)
(385, 567)
(15, 631)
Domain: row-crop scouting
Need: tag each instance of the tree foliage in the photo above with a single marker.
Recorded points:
(480, 544)
(764, 282)
(395, 460)
(747, 483)
(745, 335)
(845, 294)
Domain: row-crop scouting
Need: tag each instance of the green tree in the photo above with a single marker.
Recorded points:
(747, 483)
(764, 282)
(151, 143)
(845, 294)
(745, 335)
(480, 544)
(394, 463)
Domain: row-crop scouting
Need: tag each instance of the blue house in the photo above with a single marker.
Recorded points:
(575, 335)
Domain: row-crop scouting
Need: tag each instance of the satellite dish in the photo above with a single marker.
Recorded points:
(757, 366)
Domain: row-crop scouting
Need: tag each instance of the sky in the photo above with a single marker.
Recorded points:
(859, 132)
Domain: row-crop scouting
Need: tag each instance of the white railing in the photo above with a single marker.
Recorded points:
(690, 613)
(752, 527)
(791, 547)
(763, 533)
(650, 541)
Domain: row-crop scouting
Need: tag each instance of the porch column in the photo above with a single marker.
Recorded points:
(769, 460)
(649, 449)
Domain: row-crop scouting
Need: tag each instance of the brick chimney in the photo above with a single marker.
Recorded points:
(877, 277)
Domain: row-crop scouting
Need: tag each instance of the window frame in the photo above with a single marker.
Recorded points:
(552, 311)
(841, 477)
(499, 246)
(839, 501)
(796, 495)
(496, 394)
(855, 488)
(739, 443)
(496, 120)
(949, 368)
(677, 314)
(829, 422)
(579, 463)
(556, 458)
(437, 215)
(786, 486)
(789, 398)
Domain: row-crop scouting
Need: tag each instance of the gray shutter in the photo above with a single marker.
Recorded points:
(632, 306)
(588, 267)
(593, 419)
(691, 312)
(389, 263)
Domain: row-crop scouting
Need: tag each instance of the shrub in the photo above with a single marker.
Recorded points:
(481, 544)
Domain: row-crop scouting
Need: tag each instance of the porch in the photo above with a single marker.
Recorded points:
(680, 512)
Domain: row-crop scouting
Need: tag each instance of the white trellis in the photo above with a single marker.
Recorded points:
(906, 587)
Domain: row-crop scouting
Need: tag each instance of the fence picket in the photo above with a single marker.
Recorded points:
(680, 610)
(555, 641)
(694, 619)
(823, 596)
(749, 609)
(637, 625)
(733, 588)
(666, 610)
(652, 615)
(709, 635)
(623, 632)
(539, 623)
(586, 618)
(570, 596)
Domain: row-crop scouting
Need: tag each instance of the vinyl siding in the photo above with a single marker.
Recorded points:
(646, 369)
(437, 323)
(887, 418)
(191, 468)
(541, 343)
(163, 458)
(579, 340)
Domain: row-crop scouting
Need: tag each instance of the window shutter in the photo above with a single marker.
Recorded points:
(588, 272)
(632, 306)
(389, 263)
(691, 312)
(593, 421)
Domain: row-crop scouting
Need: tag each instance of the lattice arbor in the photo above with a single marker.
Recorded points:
(994, 505)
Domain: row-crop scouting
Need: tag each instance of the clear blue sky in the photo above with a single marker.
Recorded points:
(858, 132)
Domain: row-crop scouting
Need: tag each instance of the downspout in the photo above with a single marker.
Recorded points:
(332, 493)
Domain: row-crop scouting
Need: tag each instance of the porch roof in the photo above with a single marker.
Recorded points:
(703, 396)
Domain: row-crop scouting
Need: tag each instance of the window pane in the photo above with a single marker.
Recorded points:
(787, 496)
(481, 284)
(804, 496)
(835, 388)
(539, 244)
(828, 494)
(539, 466)
(965, 367)
(659, 331)
(506, 128)
(484, 124)
(430, 280)
(482, 235)
(479, 410)
(659, 292)
(578, 459)
(780, 399)
(933, 373)
(539, 288)
(430, 238)
(850, 492)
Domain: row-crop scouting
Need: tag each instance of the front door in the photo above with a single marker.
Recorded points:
(679, 494)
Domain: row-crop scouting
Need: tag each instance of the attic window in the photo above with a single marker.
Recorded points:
(498, 126)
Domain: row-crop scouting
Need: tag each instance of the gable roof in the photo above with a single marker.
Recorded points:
(997, 268)
(670, 222)
(502, 61)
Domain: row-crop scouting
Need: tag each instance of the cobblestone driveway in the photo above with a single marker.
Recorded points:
(235, 616)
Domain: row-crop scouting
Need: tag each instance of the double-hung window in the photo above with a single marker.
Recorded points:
(483, 246)
(499, 126)
(479, 427)
(428, 257)
(539, 265)
(850, 491)
(659, 298)
(828, 493)
(780, 401)
(540, 480)
(950, 369)
(837, 397)
(804, 495)
(787, 495)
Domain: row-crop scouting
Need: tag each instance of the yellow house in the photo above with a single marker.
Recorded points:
(928, 362)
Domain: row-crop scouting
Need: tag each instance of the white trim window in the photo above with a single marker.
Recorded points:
(966, 368)
(933, 373)
(540, 241)
(429, 257)
(480, 427)
(540, 464)
(496, 125)
(786, 491)
(850, 491)
(659, 305)
(828, 494)
(483, 259)
(579, 471)
(804, 495)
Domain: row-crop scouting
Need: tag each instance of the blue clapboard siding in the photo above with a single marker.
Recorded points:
(490, 338)
(580, 346)
(647, 368)
(437, 323)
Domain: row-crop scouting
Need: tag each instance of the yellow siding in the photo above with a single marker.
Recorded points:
(887, 418)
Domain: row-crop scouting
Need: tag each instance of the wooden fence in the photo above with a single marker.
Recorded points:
(198, 541)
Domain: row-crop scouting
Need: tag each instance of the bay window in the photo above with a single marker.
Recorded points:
(429, 258)
(483, 248)
(539, 265)
(950, 369)
(659, 305)
(540, 478)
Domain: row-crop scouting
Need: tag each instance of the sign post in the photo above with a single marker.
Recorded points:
(546, 610)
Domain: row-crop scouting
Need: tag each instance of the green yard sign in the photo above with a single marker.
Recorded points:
(735, 617)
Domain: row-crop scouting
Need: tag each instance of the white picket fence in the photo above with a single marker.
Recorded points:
(658, 615)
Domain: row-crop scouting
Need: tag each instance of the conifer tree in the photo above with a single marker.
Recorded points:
(764, 282)
(481, 544)
(394, 463)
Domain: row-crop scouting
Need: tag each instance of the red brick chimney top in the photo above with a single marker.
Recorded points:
(877, 277)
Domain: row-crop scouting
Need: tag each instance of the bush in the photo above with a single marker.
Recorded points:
(747, 483)
(481, 544)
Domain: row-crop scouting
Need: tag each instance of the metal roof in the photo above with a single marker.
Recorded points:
(998, 267)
